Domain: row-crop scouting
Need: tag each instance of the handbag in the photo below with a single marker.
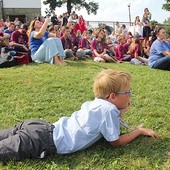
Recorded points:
(7, 61)
(23, 59)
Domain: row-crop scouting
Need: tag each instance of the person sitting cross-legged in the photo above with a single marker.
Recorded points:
(85, 44)
(100, 48)
(120, 50)
(67, 43)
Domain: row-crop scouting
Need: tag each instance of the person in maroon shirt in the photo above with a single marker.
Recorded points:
(67, 43)
(100, 48)
(19, 39)
(73, 38)
(122, 50)
(127, 43)
(85, 44)
(135, 51)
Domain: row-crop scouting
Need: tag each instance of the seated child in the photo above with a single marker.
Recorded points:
(100, 48)
(67, 43)
(120, 50)
(85, 44)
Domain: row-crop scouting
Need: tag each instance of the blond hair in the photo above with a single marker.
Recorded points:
(109, 81)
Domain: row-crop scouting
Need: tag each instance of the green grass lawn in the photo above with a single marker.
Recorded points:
(43, 91)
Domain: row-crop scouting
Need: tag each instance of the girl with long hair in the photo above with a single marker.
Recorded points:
(136, 52)
(100, 49)
(45, 46)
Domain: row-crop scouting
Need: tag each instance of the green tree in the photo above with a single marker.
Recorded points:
(154, 22)
(166, 6)
(90, 6)
(167, 26)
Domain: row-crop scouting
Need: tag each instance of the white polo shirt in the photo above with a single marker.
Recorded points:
(83, 128)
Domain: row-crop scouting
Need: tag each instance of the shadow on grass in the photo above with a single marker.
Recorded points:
(103, 152)
(82, 63)
(103, 155)
(79, 63)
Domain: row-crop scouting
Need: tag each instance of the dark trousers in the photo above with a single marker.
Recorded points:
(146, 31)
(163, 63)
(29, 139)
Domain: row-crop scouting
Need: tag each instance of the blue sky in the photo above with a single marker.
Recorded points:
(117, 10)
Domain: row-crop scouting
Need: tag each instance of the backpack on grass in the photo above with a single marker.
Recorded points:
(7, 61)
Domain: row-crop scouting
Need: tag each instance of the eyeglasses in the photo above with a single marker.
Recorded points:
(124, 92)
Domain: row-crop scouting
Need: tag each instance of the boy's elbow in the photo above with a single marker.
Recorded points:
(116, 143)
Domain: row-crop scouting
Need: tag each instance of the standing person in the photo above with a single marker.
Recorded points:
(54, 19)
(159, 57)
(138, 26)
(65, 19)
(101, 117)
(146, 11)
(124, 30)
(117, 28)
(82, 24)
(146, 25)
(45, 47)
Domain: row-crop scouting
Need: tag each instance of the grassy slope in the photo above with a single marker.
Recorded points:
(49, 92)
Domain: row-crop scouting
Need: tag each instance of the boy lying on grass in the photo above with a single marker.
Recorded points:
(98, 118)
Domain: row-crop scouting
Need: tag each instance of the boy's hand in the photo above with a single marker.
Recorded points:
(122, 111)
(148, 132)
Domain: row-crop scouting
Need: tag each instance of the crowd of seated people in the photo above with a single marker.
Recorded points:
(70, 34)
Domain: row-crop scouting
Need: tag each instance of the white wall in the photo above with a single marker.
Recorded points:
(22, 3)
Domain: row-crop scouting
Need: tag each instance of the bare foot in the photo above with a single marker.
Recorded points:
(57, 61)
(62, 61)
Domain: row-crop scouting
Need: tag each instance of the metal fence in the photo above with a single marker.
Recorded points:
(96, 24)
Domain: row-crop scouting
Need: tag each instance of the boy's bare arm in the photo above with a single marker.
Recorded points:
(126, 138)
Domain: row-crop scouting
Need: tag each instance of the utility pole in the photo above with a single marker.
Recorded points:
(129, 13)
(2, 9)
